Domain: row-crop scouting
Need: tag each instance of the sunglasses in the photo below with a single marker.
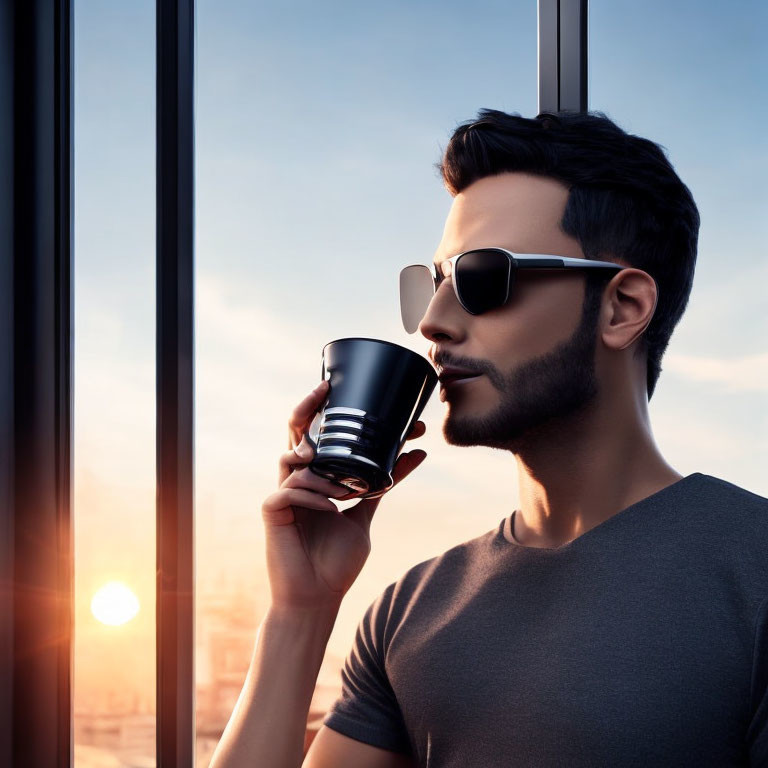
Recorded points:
(482, 279)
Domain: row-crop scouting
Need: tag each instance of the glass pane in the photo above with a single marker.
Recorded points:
(114, 456)
(317, 129)
(691, 77)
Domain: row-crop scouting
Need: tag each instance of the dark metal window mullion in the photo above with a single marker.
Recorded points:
(36, 533)
(175, 384)
(563, 44)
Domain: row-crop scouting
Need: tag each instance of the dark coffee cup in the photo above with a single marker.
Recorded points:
(377, 391)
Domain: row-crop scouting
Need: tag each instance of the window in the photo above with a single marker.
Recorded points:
(316, 132)
(114, 373)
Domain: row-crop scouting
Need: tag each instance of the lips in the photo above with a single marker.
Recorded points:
(451, 378)
(450, 373)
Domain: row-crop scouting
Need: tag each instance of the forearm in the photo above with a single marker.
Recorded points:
(267, 726)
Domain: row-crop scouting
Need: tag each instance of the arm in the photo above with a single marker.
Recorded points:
(267, 726)
(314, 553)
(268, 723)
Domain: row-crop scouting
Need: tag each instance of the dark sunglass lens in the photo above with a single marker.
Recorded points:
(481, 278)
(417, 287)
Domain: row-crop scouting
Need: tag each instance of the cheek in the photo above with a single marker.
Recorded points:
(537, 320)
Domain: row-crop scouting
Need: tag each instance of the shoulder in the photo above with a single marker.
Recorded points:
(725, 527)
(722, 490)
(723, 501)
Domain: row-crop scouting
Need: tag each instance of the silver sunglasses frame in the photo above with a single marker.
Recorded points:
(520, 260)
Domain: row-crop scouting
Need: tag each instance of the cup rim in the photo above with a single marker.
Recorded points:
(379, 341)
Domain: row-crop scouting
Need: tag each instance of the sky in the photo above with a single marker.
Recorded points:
(317, 129)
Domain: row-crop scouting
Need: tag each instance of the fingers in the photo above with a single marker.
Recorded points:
(304, 488)
(406, 463)
(309, 480)
(276, 509)
(305, 411)
(417, 430)
(296, 458)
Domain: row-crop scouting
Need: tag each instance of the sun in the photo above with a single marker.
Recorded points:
(114, 604)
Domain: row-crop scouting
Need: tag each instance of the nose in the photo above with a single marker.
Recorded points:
(444, 317)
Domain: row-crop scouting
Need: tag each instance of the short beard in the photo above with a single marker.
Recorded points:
(538, 397)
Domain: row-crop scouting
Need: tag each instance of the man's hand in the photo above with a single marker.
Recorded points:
(314, 551)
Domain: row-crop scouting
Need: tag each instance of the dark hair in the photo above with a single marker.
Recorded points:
(625, 200)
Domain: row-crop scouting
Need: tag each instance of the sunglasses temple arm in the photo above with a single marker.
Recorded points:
(589, 264)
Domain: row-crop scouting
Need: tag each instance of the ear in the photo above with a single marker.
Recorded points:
(629, 301)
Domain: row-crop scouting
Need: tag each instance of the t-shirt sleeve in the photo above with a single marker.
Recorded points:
(757, 733)
(367, 709)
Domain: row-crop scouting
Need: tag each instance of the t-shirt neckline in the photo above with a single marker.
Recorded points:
(508, 521)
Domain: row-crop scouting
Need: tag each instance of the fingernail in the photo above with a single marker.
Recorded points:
(304, 450)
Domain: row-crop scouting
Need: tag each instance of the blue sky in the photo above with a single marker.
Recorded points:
(317, 129)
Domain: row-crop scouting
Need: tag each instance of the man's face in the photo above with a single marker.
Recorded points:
(536, 353)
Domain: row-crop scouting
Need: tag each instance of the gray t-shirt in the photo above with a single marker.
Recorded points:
(643, 642)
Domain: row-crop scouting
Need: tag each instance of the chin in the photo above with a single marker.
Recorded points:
(468, 431)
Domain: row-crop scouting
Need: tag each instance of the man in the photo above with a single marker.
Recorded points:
(619, 616)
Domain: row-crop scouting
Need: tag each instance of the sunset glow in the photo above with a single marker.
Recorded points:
(114, 604)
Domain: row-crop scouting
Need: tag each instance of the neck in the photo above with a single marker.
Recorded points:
(575, 475)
